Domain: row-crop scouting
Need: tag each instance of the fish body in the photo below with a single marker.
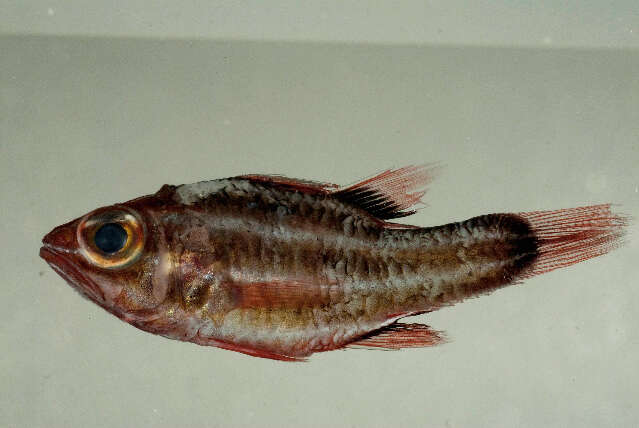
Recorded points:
(281, 268)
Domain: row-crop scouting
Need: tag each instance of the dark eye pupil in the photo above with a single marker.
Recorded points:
(110, 238)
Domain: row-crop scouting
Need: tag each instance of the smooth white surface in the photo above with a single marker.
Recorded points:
(548, 23)
(90, 122)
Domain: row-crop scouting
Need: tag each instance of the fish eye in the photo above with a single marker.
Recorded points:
(111, 237)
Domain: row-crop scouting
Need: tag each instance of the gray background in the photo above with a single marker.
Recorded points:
(548, 23)
(89, 121)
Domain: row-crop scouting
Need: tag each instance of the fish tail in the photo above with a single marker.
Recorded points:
(568, 236)
(508, 248)
(482, 254)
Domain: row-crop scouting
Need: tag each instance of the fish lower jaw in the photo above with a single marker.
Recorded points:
(60, 263)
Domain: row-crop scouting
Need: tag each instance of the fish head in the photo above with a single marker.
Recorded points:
(115, 257)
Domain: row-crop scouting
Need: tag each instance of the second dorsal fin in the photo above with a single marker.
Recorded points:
(391, 193)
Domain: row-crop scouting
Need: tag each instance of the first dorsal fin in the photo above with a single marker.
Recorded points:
(304, 186)
(391, 193)
(387, 195)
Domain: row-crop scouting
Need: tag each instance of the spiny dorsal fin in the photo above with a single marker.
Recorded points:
(304, 186)
(390, 194)
(399, 336)
(386, 196)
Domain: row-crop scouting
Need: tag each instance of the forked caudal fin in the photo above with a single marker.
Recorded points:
(568, 236)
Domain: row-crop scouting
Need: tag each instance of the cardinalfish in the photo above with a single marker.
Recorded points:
(281, 268)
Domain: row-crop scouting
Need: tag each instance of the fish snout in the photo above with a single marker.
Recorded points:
(62, 238)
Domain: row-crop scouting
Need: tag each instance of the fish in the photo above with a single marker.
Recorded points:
(282, 268)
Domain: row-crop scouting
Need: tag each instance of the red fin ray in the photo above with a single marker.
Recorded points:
(391, 193)
(400, 336)
(246, 349)
(569, 236)
(304, 186)
(387, 195)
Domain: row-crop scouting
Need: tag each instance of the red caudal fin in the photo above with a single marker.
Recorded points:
(399, 336)
(391, 193)
(568, 236)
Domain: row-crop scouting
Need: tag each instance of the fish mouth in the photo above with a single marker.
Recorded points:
(71, 273)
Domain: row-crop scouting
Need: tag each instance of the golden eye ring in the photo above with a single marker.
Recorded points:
(111, 238)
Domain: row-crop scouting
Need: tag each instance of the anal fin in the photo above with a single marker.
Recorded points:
(399, 336)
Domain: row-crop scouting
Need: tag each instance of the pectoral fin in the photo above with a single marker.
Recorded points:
(399, 336)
